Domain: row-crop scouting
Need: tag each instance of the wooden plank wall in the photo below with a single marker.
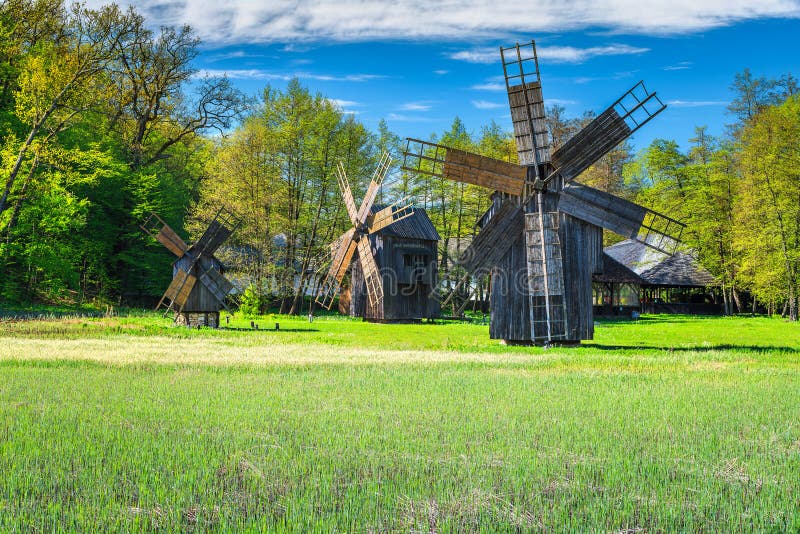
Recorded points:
(582, 251)
(200, 299)
(400, 303)
(579, 243)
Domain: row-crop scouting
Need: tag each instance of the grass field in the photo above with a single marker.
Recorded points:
(668, 423)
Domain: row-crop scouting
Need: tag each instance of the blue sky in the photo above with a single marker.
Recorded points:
(420, 64)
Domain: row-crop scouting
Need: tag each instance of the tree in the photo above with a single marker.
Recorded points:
(62, 79)
(768, 212)
(151, 109)
(277, 171)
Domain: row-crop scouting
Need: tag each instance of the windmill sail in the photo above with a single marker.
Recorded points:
(161, 232)
(621, 216)
(423, 157)
(372, 275)
(629, 113)
(341, 262)
(524, 87)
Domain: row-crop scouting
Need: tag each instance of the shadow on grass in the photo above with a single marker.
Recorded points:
(650, 319)
(703, 348)
(256, 330)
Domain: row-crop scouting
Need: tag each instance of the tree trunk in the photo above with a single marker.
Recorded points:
(735, 295)
(725, 303)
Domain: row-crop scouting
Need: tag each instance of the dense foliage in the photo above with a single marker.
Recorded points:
(103, 120)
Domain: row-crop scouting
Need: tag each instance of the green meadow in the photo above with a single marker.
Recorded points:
(663, 424)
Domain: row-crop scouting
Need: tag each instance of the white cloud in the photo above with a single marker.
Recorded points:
(696, 103)
(297, 21)
(554, 54)
(683, 65)
(343, 103)
(260, 74)
(559, 101)
(570, 54)
(415, 106)
(441, 72)
(489, 86)
(477, 55)
(400, 117)
(485, 104)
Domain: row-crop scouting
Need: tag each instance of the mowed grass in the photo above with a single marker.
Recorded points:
(668, 423)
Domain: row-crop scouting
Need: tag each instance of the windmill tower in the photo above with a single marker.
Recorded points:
(363, 241)
(543, 239)
(198, 289)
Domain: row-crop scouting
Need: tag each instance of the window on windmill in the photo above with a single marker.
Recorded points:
(420, 261)
(407, 260)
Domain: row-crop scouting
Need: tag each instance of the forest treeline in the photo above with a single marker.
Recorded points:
(104, 120)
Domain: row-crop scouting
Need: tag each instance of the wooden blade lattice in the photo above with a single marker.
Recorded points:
(633, 110)
(341, 262)
(372, 275)
(524, 87)
(178, 291)
(495, 239)
(155, 227)
(387, 216)
(222, 226)
(374, 186)
(622, 217)
(423, 157)
(347, 194)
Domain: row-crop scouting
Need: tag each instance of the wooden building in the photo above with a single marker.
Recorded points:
(407, 256)
(638, 278)
(202, 307)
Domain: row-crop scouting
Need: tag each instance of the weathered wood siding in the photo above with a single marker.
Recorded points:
(407, 294)
(582, 253)
(200, 298)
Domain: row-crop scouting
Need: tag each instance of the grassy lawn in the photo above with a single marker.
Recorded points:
(668, 423)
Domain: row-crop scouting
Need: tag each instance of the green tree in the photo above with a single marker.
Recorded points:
(767, 230)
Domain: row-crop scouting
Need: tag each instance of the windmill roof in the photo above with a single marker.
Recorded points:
(655, 268)
(416, 226)
(614, 271)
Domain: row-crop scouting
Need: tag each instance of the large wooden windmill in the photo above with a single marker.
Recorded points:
(198, 289)
(356, 241)
(543, 239)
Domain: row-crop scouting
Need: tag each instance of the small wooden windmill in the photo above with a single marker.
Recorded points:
(366, 222)
(198, 289)
(543, 239)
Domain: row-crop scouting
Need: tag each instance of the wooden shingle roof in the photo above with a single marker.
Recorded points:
(653, 268)
(417, 226)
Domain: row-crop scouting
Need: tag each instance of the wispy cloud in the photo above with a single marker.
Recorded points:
(304, 21)
(560, 102)
(235, 54)
(343, 103)
(441, 72)
(415, 106)
(683, 65)
(571, 54)
(554, 54)
(260, 74)
(696, 103)
(490, 86)
(401, 117)
(485, 104)
(477, 55)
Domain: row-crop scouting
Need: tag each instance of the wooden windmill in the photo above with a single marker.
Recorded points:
(366, 222)
(198, 289)
(543, 239)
